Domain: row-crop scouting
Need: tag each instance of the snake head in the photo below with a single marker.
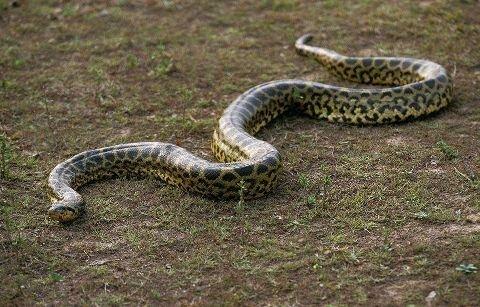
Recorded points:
(62, 212)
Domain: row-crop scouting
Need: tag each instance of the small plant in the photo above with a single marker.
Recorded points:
(18, 63)
(297, 96)
(55, 277)
(467, 269)
(353, 256)
(6, 85)
(449, 151)
(161, 47)
(240, 207)
(421, 215)
(6, 157)
(185, 93)
(161, 61)
(168, 4)
(69, 10)
(132, 61)
(278, 5)
(3, 5)
(327, 180)
(311, 200)
(304, 181)
(387, 247)
(97, 72)
(164, 67)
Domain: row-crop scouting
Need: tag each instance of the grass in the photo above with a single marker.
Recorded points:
(361, 216)
(449, 152)
(6, 157)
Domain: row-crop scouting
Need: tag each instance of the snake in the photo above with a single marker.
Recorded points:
(249, 167)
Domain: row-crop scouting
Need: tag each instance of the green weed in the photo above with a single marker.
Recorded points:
(278, 5)
(164, 67)
(467, 269)
(55, 277)
(240, 206)
(304, 181)
(297, 96)
(449, 151)
(132, 61)
(311, 200)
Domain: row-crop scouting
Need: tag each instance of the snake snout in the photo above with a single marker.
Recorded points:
(62, 213)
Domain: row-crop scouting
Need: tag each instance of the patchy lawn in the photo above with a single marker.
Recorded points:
(383, 214)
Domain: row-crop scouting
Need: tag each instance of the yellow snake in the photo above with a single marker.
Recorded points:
(419, 87)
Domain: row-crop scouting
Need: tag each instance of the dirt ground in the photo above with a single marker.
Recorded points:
(362, 215)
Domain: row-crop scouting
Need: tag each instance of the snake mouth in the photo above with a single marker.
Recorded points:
(62, 213)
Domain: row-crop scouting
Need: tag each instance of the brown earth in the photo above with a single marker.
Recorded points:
(362, 215)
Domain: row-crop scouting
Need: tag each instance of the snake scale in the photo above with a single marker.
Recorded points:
(418, 87)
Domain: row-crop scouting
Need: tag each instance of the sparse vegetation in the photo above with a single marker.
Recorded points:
(6, 156)
(132, 61)
(304, 181)
(297, 96)
(362, 215)
(240, 207)
(449, 151)
(161, 61)
(278, 5)
(472, 179)
(163, 67)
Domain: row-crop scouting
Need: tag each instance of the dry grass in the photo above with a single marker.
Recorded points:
(362, 214)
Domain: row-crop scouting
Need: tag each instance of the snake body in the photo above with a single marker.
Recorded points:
(419, 87)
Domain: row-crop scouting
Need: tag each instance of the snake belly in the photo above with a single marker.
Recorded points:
(418, 87)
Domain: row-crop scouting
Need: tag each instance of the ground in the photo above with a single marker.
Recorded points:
(362, 215)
